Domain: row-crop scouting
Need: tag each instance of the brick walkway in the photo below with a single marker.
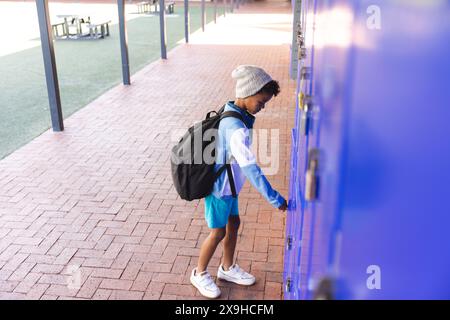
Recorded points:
(91, 212)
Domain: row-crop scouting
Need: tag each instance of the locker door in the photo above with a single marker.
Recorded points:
(295, 211)
(306, 128)
(395, 208)
(289, 254)
(329, 64)
(296, 256)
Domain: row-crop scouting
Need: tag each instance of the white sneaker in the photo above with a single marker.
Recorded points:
(236, 274)
(205, 284)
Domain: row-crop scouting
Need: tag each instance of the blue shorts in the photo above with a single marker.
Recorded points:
(217, 211)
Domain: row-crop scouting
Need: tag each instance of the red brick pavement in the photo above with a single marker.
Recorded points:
(91, 213)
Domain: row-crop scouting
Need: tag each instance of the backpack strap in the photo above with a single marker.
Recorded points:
(237, 115)
(230, 177)
(225, 114)
(232, 114)
(208, 115)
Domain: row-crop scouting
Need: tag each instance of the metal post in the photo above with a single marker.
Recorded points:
(123, 43)
(238, 2)
(203, 15)
(187, 19)
(162, 28)
(232, 6)
(51, 75)
(215, 11)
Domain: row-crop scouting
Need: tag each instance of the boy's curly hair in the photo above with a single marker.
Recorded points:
(271, 88)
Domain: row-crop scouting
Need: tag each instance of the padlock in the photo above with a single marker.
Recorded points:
(301, 100)
(325, 289)
(312, 185)
(300, 39)
(305, 73)
(305, 121)
(312, 176)
(302, 52)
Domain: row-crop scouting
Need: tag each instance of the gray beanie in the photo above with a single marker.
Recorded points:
(250, 80)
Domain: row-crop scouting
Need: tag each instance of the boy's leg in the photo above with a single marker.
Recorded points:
(209, 247)
(230, 271)
(229, 244)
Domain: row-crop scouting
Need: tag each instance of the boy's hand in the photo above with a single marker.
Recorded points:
(284, 206)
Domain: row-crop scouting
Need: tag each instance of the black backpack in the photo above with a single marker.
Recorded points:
(192, 174)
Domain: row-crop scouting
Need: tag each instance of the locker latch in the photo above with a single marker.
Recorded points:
(289, 243)
(288, 285)
(312, 175)
(302, 52)
(305, 73)
(306, 105)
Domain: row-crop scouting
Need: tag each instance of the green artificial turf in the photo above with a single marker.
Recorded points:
(86, 69)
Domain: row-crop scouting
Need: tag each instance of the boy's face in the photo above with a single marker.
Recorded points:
(256, 103)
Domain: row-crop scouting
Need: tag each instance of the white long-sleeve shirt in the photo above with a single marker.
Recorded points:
(234, 139)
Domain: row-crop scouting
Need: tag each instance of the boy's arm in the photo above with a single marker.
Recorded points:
(240, 149)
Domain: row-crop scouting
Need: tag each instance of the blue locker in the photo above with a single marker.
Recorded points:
(379, 87)
(296, 258)
(327, 91)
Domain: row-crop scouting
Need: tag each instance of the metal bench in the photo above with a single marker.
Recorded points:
(170, 7)
(55, 30)
(71, 27)
(147, 6)
(98, 30)
(144, 6)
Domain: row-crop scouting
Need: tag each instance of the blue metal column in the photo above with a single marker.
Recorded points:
(51, 74)
(203, 15)
(162, 28)
(187, 19)
(123, 43)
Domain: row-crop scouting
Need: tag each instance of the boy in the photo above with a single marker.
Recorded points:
(254, 88)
